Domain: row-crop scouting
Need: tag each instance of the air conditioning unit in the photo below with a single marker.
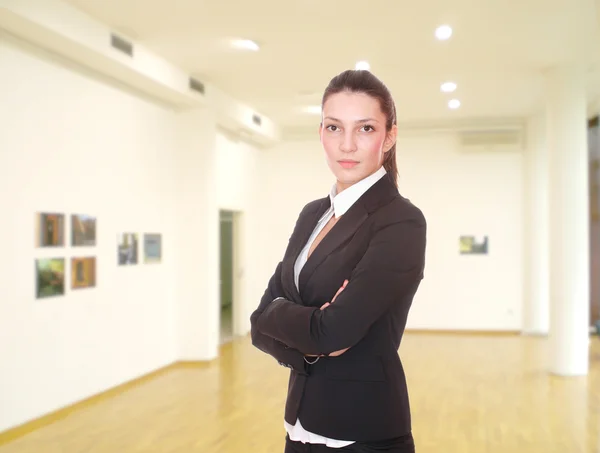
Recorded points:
(492, 140)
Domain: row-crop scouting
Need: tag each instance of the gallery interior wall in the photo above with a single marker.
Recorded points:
(74, 143)
(241, 172)
(196, 245)
(460, 193)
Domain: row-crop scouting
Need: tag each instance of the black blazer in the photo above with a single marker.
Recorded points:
(379, 246)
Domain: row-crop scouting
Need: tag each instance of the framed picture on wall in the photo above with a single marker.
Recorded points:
(127, 249)
(50, 277)
(49, 229)
(473, 245)
(83, 230)
(83, 272)
(152, 248)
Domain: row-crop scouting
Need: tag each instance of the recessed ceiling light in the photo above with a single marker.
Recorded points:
(245, 44)
(362, 66)
(448, 87)
(443, 32)
(454, 104)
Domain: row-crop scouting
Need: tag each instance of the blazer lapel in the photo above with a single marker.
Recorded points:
(338, 235)
(305, 228)
(379, 194)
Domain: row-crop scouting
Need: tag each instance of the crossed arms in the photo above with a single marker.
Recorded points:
(390, 269)
(283, 354)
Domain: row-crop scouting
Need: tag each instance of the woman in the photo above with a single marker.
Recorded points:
(336, 307)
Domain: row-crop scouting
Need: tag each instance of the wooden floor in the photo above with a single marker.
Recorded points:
(469, 394)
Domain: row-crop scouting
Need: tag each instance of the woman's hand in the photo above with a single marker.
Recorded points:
(327, 304)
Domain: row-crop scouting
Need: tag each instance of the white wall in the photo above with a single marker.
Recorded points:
(73, 143)
(459, 193)
(196, 244)
(463, 193)
(239, 174)
(536, 275)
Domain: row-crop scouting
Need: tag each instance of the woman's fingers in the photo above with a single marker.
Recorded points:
(327, 304)
(339, 290)
(338, 353)
(336, 294)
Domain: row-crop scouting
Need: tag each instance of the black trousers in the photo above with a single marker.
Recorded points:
(404, 444)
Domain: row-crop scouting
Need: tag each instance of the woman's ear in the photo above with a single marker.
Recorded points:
(390, 139)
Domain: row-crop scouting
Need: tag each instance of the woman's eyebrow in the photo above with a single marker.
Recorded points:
(364, 120)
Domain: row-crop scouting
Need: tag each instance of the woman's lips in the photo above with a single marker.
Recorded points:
(348, 163)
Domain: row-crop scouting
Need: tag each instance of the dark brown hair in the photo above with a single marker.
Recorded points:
(361, 81)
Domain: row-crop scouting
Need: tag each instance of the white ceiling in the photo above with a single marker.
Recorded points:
(496, 54)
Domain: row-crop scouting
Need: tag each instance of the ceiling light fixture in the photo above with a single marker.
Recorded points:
(362, 66)
(454, 104)
(448, 87)
(245, 44)
(443, 32)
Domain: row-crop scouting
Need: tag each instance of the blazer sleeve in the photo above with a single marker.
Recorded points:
(285, 355)
(389, 273)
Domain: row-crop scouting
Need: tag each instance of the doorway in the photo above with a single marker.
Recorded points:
(226, 222)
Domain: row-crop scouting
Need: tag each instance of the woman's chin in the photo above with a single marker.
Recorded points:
(345, 180)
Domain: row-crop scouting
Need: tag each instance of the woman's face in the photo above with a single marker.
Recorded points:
(354, 136)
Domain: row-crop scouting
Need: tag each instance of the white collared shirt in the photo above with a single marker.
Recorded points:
(340, 204)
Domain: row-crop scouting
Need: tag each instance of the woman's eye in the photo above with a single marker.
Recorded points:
(368, 128)
(331, 128)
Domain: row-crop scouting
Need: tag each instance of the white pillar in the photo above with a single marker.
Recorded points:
(197, 253)
(536, 306)
(569, 221)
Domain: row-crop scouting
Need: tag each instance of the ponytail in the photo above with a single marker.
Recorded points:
(391, 166)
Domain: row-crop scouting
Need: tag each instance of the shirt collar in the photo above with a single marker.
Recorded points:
(343, 201)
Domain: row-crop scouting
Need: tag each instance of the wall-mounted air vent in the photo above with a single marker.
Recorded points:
(256, 119)
(121, 44)
(491, 140)
(196, 85)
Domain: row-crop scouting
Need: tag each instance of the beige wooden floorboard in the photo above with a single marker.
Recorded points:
(469, 394)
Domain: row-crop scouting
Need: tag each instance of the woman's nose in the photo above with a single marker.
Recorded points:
(348, 144)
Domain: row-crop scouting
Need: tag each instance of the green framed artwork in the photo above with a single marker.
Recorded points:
(50, 277)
